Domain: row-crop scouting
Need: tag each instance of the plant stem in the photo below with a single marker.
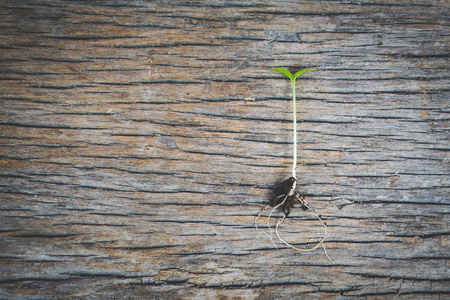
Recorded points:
(294, 118)
(293, 77)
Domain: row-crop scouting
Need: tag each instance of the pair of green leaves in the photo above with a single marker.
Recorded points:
(289, 74)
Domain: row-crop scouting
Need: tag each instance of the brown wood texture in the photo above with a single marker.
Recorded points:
(139, 140)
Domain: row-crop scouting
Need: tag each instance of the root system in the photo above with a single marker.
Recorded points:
(285, 197)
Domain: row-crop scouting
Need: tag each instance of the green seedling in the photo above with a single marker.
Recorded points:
(294, 110)
(285, 194)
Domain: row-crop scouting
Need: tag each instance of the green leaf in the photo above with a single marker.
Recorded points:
(301, 72)
(284, 72)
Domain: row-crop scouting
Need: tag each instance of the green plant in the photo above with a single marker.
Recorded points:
(294, 111)
(285, 194)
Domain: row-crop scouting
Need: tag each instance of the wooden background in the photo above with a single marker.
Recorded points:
(139, 140)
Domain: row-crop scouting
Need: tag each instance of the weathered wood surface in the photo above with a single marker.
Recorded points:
(139, 140)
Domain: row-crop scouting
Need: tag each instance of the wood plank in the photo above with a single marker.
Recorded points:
(139, 141)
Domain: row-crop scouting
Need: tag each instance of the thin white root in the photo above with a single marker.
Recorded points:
(316, 246)
(256, 219)
(268, 219)
(271, 240)
(320, 243)
(256, 225)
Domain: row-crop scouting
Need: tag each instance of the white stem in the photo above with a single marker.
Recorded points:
(294, 110)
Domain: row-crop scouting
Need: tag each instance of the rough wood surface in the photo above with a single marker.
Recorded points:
(139, 140)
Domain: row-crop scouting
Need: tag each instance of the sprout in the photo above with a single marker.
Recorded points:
(294, 110)
(285, 194)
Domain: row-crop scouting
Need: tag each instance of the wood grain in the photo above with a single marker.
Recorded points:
(139, 140)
